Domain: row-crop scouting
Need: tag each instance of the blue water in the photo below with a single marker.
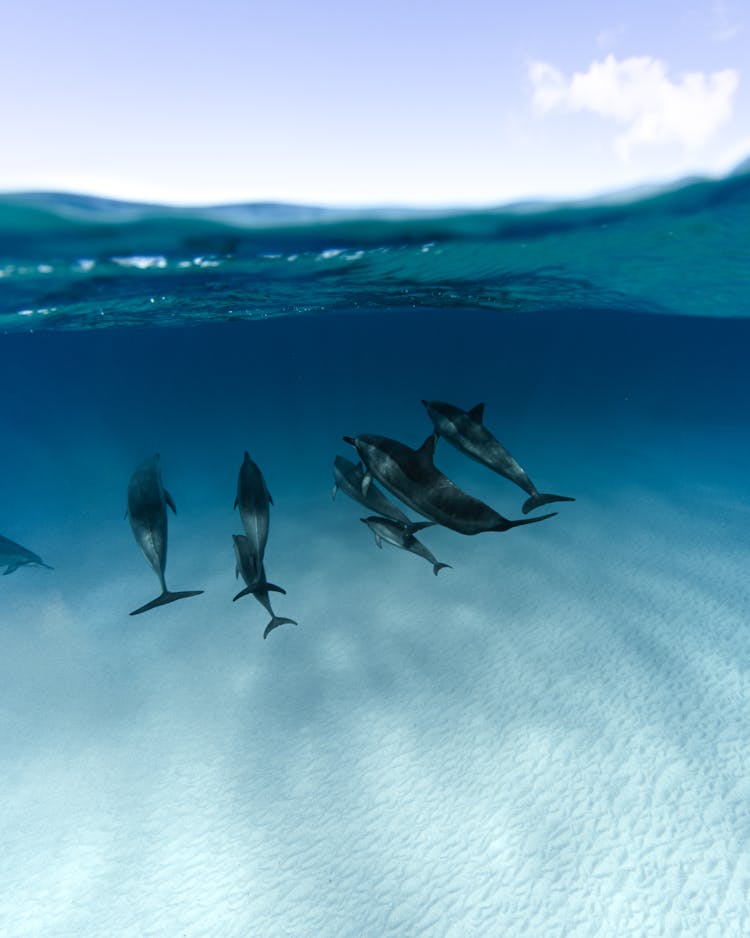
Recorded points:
(549, 738)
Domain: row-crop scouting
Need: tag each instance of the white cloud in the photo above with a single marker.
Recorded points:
(638, 93)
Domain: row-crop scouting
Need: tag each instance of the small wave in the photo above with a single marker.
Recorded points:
(678, 251)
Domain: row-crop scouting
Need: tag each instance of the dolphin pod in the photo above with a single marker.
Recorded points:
(465, 430)
(408, 474)
(411, 475)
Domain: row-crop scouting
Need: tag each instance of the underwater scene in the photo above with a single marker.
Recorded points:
(527, 713)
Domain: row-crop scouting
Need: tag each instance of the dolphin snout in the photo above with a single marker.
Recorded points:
(349, 440)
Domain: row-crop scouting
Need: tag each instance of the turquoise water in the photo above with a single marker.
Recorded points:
(550, 738)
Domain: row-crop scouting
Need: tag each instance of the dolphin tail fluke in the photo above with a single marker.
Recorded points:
(276, 622)
(536, 501)
(166, 597)
(437, 567)
(506, 524)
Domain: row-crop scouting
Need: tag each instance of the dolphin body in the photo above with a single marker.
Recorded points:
(253, 499)
(465, 430)
(402, 535)
(411, 475)
(147, 510)
(255, 581)
(13, 556)
(349, 476)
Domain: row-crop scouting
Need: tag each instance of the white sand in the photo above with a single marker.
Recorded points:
(551, 739)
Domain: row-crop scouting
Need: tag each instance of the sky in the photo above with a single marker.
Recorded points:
(417, 103)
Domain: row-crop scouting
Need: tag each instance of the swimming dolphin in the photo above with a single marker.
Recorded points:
(349, 475)
(13, 556)
(255, 580)
(147, 510)
(253, 499)
(465, 430)
(411, 475)
(402, 535)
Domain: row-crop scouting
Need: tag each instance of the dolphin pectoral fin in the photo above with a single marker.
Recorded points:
(379, 541)
(11, 568)
(437, 567)
(270, 588)
(536, 501)
(245, 592)
(413, 526)
(170, 501)
(275, 623)
(366, 483)
(506, 524)
(166, 597)
(477, 413)
(333, 493)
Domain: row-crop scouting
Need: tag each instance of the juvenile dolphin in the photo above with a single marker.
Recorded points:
(255, 580)
(402, 535)
(411, 475)
(13, 556)
(147, 510)
(253, 499)
(465, 430)
(349, 476)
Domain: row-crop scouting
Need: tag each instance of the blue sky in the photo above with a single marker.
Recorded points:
(400, 102)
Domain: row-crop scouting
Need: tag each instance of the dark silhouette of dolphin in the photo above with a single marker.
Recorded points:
(13, 556)
(255, 581)
(465, 430)
(402, 535)
(147, 510)
(411, 475)
(253, 499)
(349, 476)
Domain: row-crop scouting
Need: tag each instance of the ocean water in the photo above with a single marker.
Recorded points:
(552, 738)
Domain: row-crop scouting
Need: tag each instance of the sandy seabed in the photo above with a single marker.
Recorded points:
(552, 738)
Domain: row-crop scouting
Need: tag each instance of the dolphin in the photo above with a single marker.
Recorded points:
(13, 556)
(402, 535)
(411, 475)
(253, 499)
(147, 509)
(255, 580)
(465, 430)
(349, 476)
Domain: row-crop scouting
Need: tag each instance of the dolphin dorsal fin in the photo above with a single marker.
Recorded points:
(170, 501)
(477, 413)
(427, 450)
